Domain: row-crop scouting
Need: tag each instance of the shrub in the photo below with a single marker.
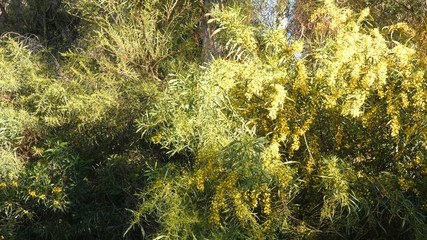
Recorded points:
(343, 125)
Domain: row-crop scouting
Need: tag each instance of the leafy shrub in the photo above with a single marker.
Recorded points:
(343, 129)
(45, 188)
(275, 138)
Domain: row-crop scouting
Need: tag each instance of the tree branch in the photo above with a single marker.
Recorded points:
(409, 7)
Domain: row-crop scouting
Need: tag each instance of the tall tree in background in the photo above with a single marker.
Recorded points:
(208, 47)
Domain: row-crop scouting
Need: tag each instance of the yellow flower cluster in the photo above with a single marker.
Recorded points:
(200, 179)
(301, 83)
(404, 54)
(252, 197)
(277, 101)
(224, 190)
(157, 138)
(217, 204)
(295, 144)
(234, 22)
(256, 83)
(309, 167)
(358, 81)
(405, 184)
(270, 155)
(267, 203)
(395, 126)
(32, 193)
(297, 47)
(56, 190)
(243, 213)
(338, 138)
(205, 162)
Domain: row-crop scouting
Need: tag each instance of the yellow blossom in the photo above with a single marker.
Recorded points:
(404, 99)
(278, 99)
(157, 138)
(42, 197)
(403, 53)
(14, 184)
(395, 126)
(320, 74)
(298, 47)
(32, 193)
(405, 185)
(363, 15)
(56, 189)
(267, 203)
(85, 179)
(3, 184)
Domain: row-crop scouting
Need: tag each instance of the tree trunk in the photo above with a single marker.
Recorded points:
(209, 50)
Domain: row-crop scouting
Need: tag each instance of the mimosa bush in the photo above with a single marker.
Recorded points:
(342, 122)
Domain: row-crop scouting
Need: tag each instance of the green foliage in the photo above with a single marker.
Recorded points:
(137, 39)
(356, 98)
(45, 191)
(48, 20)
(274, 138)
(12, 125)
(381, 15)
(132, 47)
(37, 195)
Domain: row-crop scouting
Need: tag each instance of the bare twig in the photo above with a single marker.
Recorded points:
(309, 152)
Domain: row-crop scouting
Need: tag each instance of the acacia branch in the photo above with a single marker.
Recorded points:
(309, 152)
(409, 7)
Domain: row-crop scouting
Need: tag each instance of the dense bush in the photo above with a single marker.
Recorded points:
(133, 134)
(288, 146)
